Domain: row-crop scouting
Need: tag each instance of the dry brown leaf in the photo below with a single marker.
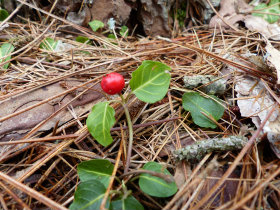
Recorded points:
(21, 123)
(228, 189)
(179, 176)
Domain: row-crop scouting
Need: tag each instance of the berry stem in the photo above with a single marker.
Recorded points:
(130, 130)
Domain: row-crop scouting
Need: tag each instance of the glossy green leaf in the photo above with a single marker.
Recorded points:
(96, 24)
(196, 104)
(48, 44)
(272, 8)
(124, 31)
(3, 14)
(156, 186)
(98, 169)
(5, 50)
(82, 39)
(128, 203)
(150, 82)
(100, 121)
(89, 196)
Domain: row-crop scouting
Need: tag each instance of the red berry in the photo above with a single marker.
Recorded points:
(112, 83)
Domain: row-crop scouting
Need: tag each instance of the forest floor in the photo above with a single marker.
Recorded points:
(49, 87)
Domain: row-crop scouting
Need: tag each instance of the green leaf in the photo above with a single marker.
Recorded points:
(100, 121)
(96, 24)
(195, 103)
(48, 44)
(274, 4)
(82, 39)
(156, 186)
(127, 203)
(111, 36)
(99, 169)
(124, 31)
(5, 50)
(268, 9)
(89, 196)
(150, 81)
(3, 14)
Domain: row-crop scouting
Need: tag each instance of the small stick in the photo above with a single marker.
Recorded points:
(199, 149)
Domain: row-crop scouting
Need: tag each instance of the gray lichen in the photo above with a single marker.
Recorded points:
(216, 87)
(199, 149)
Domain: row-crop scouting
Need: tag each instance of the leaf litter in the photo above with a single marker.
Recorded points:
(41, 171)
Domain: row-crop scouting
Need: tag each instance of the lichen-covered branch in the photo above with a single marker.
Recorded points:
(199, 149)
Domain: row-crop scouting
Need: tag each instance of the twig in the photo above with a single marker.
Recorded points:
(199, 149)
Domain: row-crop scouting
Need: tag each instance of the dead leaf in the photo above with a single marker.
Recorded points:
(179, 176)
(254, 23)
(228, 189)
(273, 56)
(229, 11)
(103, 10)
(234, 12)
(256, 104)
(23, 122)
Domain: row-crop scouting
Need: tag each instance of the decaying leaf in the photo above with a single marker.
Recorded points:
(227, 190)
(271, 31)
(179, 176)
(229, 11)
(27, 120)
(273, 56)
(255, 102)
(234, 12)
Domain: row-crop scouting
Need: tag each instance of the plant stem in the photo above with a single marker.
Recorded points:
(130, 130)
